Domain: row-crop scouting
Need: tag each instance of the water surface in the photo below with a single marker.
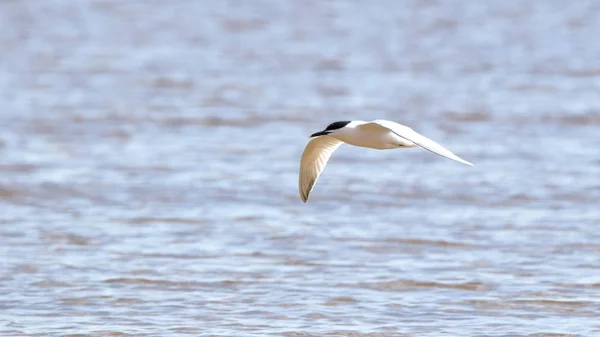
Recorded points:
(149, 155)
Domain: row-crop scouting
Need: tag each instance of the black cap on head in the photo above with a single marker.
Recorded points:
(336, 125)
(330, 127)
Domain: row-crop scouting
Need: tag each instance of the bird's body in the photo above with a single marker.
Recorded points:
(371, 135)
(378, 134)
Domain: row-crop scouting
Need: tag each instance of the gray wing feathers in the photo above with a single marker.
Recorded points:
(420, 140)
(315, 157)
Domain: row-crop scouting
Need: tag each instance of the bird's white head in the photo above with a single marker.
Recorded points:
(332, 128)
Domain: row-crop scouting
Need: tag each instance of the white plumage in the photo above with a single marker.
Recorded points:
(378, 134)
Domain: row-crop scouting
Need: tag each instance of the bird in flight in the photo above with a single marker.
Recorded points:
(379, 134)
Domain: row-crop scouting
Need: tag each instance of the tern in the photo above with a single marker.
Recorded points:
(379, 134)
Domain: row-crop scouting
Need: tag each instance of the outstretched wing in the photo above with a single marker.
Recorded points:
(315, 157)
(420, 140)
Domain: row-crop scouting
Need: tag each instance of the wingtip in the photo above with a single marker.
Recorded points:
(460, 160)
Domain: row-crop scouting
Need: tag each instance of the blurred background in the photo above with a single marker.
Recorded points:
(149, 154)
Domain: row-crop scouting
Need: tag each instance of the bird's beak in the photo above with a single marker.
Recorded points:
(320, 133)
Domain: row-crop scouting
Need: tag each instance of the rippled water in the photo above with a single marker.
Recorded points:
(149, 155)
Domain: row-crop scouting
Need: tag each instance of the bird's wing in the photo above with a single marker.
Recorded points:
(315, 157)
(420, 140)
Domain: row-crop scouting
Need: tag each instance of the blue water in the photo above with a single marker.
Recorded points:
(149, 156)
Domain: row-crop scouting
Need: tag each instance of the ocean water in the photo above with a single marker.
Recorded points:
(149, 156)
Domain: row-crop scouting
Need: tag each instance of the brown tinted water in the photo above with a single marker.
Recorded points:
(149, 155)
